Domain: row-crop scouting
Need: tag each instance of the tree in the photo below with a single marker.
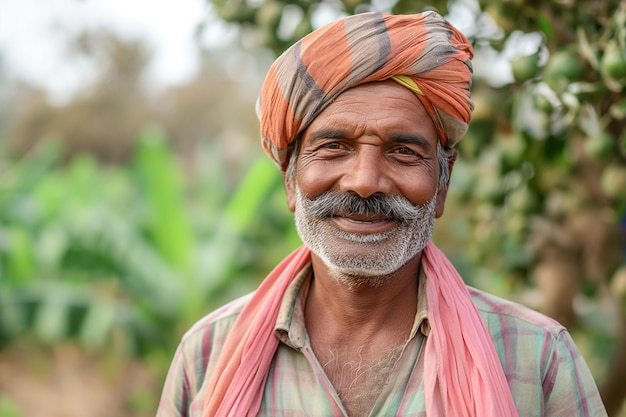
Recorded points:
(117, 259)
(545, 158)
(105, 116)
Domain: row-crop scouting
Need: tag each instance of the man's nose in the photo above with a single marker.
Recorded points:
(366, 175)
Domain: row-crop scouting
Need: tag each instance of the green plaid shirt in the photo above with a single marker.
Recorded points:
(545, 371)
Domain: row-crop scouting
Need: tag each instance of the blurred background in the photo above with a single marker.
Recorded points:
(135, 198)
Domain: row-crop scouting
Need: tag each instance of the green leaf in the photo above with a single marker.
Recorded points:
(20, 258)
(545, 25)
(161, 180)
(51, 319)
(260, 181)
(97, 324)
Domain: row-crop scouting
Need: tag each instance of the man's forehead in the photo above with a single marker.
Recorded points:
(383, 106)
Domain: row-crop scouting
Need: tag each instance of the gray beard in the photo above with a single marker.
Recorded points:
(355, 259)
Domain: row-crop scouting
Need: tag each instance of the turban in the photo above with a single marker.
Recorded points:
(421, 51)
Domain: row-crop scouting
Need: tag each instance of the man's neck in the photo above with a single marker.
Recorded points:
(337, 313)
(359, 333)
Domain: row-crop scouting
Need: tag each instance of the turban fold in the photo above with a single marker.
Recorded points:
(363, 48)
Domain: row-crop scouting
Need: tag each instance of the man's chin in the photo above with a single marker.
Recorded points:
(362, 238)
(358, 277)
(351, 261)
(354, 246)
(357, 274)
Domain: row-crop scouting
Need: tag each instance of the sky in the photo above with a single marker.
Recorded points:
(32, 34)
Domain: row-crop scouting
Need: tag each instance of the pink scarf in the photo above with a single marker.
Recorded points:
(466, 379)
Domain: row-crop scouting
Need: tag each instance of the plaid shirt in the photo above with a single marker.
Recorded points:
(545, 371)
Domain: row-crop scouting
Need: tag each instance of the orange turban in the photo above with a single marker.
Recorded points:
(363, 48)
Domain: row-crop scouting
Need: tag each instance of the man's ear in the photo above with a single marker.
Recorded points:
(442, 193)
(290, 190)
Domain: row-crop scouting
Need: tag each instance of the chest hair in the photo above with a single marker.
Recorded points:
(359, 377)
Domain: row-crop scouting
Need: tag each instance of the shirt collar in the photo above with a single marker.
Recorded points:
(290, 326)
(421, 317)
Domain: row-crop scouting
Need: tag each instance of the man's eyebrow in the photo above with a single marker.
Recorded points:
(411, 139)
(327, 134)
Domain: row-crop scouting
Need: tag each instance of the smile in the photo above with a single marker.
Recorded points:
(367, 217)
(361, 224)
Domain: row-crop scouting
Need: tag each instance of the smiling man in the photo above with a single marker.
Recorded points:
(376, 147)
(368, 317)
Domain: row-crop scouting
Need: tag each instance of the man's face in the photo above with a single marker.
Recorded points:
(375, 141)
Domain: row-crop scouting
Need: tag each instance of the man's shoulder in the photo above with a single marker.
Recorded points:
(493, 307)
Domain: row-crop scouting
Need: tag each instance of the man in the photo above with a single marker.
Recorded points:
(368, 318)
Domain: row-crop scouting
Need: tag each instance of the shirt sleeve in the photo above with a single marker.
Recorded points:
(184, 391)
(569, 388)
(175, 396)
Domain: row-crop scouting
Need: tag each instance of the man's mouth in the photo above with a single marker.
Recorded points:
(365, 218)
(363, 223)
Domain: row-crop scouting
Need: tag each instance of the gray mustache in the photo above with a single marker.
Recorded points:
(333, 203)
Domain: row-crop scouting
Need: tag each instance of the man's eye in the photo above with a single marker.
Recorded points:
(331, 145)
(406, 151)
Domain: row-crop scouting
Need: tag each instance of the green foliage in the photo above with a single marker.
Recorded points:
(116, 257)
(556, 134)
(8, 408)
(125, 258)
(160, 181)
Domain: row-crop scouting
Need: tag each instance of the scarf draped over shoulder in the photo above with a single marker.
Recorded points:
(466, 378)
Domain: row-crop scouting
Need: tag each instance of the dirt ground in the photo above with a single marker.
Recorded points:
(68, 381)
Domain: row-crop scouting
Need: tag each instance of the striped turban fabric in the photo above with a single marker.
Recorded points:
(363, 48)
